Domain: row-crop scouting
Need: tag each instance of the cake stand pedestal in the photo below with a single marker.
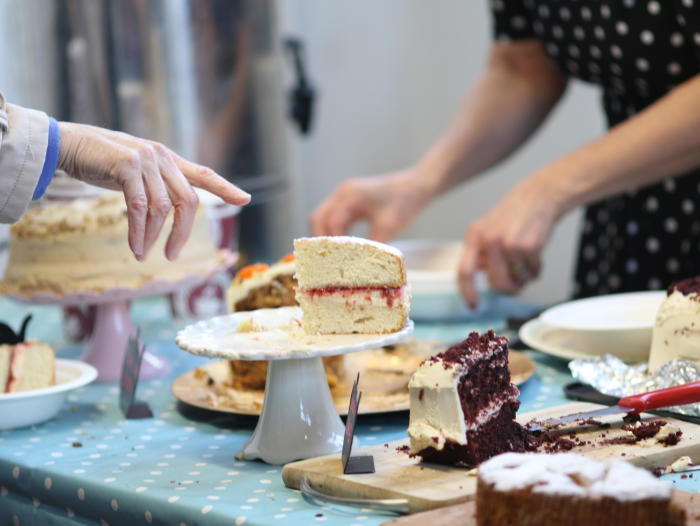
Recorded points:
(298, 418)
(113, 326)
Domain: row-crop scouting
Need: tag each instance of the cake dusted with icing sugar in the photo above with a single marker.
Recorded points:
(350, 285)
(26, 366)
(676, 332)
(82, 245)
(463, 405)
(564, 488)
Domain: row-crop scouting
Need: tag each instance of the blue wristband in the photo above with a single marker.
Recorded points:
(51, 159)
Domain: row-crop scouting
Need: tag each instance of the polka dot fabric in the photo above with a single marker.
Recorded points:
(636, 51)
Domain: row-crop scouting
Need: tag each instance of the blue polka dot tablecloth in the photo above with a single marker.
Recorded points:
(90, 465)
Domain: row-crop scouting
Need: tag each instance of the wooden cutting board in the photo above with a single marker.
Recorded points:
(429, 486)
(465, 514)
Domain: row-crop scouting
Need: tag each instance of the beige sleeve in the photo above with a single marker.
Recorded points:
(24, 136)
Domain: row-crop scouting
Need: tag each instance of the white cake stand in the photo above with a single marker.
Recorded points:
(298, 418)
(113, 326)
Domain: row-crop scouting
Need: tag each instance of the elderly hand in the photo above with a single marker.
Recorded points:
(153, 178)
(507, 241)
(388, 202)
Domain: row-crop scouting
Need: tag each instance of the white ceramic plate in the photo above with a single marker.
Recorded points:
(33, 407)
(550, 340)
(614, 312)
(617, 324)
(431, 266)
(273, 334)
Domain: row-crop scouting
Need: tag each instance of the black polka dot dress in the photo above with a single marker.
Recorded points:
(637, 51)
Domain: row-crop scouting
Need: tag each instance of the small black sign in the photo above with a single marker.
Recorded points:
(7, 335)
(359, 464)
(129, 379)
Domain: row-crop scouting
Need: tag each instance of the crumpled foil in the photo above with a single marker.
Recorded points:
(611, 376)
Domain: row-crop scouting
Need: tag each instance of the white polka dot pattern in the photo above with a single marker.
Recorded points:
(637, 50)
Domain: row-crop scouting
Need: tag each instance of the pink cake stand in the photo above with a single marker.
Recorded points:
(298, 417)
(113, 326)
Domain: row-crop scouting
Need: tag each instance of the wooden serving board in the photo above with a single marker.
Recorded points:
(429, 486)
(465, 514)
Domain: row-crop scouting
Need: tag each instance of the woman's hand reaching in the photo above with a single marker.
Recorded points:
(153, 178)
(388, 202)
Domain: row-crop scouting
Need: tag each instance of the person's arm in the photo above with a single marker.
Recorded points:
(517, 91)
(514, 95)
(28, 155)
(154, 179)
(661, 141)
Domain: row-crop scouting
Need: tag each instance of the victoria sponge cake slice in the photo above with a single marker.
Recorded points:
(350, 285)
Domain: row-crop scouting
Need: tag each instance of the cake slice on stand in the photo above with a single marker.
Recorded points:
(353, 296)
(350, 285)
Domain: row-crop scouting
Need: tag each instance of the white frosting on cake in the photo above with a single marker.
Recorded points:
(355, 240)
(436, 410)
(82, 245)
(240, 288)
(568, 474)
(676, 330)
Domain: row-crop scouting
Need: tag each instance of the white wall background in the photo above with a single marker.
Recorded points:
(390, 75)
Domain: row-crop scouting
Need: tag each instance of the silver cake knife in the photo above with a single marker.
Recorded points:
(670, 396)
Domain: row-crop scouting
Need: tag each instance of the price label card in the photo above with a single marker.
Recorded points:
(358, 464)
(130, 376)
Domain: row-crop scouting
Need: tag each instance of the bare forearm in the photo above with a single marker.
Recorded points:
(499, 113)
(661, 141)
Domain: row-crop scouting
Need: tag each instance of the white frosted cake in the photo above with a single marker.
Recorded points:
(676, 331)
(350, 285)
(26, 366)
(82, 245)
(564, 488)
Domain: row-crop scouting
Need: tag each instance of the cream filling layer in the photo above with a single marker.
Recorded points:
(358, 297)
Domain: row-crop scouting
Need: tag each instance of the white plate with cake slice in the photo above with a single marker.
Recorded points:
(28, 408)
(273, 334)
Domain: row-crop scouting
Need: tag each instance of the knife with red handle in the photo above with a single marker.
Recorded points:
(670, 396)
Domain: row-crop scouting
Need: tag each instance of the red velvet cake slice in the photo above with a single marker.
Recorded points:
(463, 404)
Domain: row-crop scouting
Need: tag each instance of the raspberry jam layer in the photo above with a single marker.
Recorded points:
(389, 294)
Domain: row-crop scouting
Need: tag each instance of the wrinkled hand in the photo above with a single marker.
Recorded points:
(153, 178)
(507, 241)
(388, 202)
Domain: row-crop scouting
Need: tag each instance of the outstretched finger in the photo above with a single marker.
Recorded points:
(206, 179)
